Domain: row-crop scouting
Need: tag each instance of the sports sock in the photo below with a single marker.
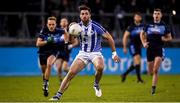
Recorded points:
(153, 89)
(46, 82)
(59, 94)
(131, 68)
(96, 83)
(138, 72)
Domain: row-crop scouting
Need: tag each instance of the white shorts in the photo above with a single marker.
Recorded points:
(87, 57)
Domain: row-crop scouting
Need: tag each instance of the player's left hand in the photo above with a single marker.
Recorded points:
(70, 46)
(115, 57)
(66, 46)
(163, 39)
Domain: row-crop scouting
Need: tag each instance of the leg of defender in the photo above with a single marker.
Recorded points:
(65, 66)
(51, 59)
(157, 63)
(43, 69)
(58, 64)
(150, 67)
(137, 62)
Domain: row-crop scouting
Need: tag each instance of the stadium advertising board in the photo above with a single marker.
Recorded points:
(24, 61)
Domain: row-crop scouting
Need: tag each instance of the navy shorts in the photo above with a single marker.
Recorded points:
(152, 53)
(64, 55)
(44, 56)
(134, 49)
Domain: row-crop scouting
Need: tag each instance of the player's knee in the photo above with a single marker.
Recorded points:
(66, 70)
(72, 72)
(49, 66)
(137, 59)
(137, 62)
(155, 71)
(151, 73)
(100, 68)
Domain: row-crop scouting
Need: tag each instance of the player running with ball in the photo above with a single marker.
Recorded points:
(90, 43)
(153, 37)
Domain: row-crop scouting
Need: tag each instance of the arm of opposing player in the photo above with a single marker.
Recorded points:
(144, 39)
(111, 43)
(66, 36)
(40, 42)
(74, 42)
(125, 40)
(41, 38)
(167, 37)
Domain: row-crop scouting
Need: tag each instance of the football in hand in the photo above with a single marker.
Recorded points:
(75, 29)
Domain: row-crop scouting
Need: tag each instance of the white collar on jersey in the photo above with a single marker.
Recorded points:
(90, 21)
(157, 21)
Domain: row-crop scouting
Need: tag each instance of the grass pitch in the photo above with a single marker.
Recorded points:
(29, 89)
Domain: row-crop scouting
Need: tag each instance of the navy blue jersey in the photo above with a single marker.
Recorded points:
(58, 40)
(154, 33)
(135, 31)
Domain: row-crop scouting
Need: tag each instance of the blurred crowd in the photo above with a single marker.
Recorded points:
(109, 6)
(113, 14)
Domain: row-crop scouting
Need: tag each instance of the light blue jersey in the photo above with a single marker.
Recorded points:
(90, 38)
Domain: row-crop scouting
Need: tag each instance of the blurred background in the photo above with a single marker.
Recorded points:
(21, 20)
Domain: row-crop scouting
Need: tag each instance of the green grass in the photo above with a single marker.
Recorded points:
(29, 88)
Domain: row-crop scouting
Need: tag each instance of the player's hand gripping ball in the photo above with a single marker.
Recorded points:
(75, 29)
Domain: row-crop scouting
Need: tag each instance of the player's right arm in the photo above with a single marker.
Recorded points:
(41, 39)
(40, 42)
(125, 41)
(144, 39)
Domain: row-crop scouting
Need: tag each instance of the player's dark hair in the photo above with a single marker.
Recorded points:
(137, 13)
(64, 18)
(84, 7)
(158, 9)
(52, 18)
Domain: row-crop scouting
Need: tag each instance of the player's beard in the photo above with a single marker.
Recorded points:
(51, 29)
(85, 22)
